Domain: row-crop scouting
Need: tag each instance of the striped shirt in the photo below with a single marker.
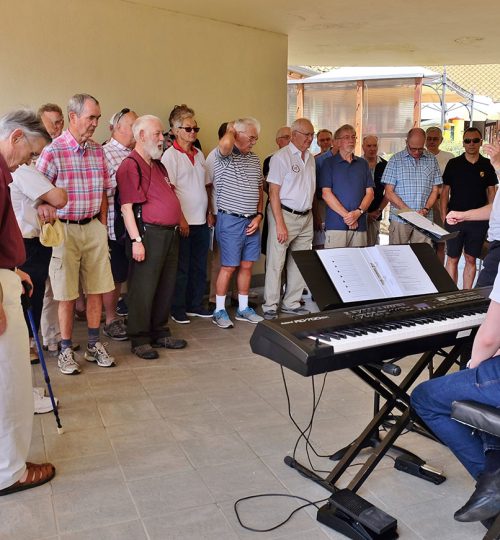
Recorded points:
(114, 154)
(80, 170)
(237, 181)
(413, 179)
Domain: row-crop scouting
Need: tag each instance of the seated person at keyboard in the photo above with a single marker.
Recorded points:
(479, 452)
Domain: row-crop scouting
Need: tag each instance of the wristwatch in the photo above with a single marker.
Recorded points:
(361, 210)
(138, 239)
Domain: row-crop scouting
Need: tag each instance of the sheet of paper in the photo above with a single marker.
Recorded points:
(414, 218)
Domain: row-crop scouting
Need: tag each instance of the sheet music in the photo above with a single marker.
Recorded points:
(375, 273)
(418, 220)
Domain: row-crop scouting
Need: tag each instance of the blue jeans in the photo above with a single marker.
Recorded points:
(432, 401)
(191, 277)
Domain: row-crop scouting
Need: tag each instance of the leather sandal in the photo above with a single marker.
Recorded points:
(38, 474)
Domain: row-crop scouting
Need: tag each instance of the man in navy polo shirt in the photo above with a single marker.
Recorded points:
(347, 189)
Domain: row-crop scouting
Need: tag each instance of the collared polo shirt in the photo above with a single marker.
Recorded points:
(114, 153)
(189, 179)
(469, 182)
(237, 181)
(297, 178)
(413, 179)
(348, 182)
(79, 169)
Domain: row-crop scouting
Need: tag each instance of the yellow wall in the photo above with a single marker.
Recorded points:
(148, 59)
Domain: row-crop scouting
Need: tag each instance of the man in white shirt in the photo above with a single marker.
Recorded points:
(292, 186)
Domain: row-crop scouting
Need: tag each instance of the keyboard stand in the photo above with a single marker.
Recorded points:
(397, 398)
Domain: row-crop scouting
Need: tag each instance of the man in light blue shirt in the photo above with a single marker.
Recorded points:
(412, 179)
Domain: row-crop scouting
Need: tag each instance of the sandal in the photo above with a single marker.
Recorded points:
(37, 475)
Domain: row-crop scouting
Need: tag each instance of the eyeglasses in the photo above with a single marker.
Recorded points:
(120, 115)
(475, 140)
(311, 134)
(188, 129)
(283, 137)
(251, 138)
(348, 138)
(33, 155)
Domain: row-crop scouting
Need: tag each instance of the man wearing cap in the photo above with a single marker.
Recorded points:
(116, 150)
(76, 163)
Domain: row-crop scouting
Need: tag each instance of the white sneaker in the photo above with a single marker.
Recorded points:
(42, 404)
(98, 353)
(67, 363)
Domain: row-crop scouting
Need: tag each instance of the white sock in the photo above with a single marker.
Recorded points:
(243, 301)
(220, 302)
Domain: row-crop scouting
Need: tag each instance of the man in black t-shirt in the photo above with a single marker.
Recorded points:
(468, 182)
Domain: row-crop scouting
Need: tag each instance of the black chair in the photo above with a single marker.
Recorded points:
(485, 418)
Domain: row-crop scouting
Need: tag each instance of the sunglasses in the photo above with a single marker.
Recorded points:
(120, 115)
(189, 129)
(475, 140)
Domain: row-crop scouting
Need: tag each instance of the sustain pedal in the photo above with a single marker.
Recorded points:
(356, 518)
(415, 466)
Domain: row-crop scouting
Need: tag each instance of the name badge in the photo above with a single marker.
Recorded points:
(295, 168)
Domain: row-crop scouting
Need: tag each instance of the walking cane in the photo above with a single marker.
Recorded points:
(25, 301)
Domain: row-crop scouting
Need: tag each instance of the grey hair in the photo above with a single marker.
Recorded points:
(241, 124)
(298, 122)
(27, 121)
(77, 102)
(141, 122)
(370, 135)
(178, 119)
(341, 129)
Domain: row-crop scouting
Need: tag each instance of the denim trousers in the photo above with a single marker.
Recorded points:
(191, 279)
(432, 400)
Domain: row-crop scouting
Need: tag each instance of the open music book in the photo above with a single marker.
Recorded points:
(375, 273)
(425, 226)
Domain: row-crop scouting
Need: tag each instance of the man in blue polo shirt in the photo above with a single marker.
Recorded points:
(347, 189)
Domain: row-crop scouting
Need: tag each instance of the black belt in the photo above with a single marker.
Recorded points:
(246, 216)
(83, 221)
(298, 212)
(161, 227)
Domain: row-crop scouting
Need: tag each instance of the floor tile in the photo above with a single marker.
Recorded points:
(28, 519)
(132, 530)
(132, 410)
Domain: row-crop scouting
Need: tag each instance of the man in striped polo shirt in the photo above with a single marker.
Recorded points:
(238, 187)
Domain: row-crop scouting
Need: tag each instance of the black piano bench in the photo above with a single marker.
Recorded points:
(484, 418)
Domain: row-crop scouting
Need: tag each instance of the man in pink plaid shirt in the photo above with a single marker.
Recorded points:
(76, 163)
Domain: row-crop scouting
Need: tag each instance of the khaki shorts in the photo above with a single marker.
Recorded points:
(339, 239)
(401, 233)
(83, 258)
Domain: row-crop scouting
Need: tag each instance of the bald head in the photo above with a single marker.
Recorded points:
(415, 142)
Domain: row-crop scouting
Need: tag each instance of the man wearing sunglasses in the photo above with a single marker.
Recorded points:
(469, 183)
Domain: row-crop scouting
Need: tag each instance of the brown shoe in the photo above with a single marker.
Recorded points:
(36, 476)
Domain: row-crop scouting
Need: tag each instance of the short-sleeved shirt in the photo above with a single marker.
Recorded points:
(190, 182)
(494, 227)
(297, 178)
(413, 179)
(150, 187)
(79, 169)
(442, 158)
(114, 153)
(468, 182)
(12, 252)
(237, 181)
(27, 186)
(348, 182)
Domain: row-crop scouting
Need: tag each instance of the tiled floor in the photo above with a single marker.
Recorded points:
(162, 449)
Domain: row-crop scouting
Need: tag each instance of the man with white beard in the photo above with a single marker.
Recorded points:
(152, 215)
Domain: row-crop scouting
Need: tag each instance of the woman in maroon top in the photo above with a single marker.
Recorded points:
(22, 137)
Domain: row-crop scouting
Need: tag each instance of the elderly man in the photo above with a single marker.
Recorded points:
(238, 186)
(283, 136)
(377, 168)
(76, 163)
(52, 117)
(22, 138)
(116, 150)
(347, 189)
(412, 179)
(292, 186)
(152, 215)
(469, 183)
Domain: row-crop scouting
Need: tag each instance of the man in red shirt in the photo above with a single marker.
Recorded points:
(152, 215)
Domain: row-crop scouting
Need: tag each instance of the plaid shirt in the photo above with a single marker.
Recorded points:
(80, 170)
(413, 179)
(114, 154)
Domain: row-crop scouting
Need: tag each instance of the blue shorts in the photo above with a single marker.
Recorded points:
(235, 245)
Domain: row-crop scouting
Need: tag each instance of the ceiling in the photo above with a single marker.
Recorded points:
(364, 33)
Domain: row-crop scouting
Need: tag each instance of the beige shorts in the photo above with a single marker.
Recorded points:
(83, 258)
(338, 239)
(401, 233)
